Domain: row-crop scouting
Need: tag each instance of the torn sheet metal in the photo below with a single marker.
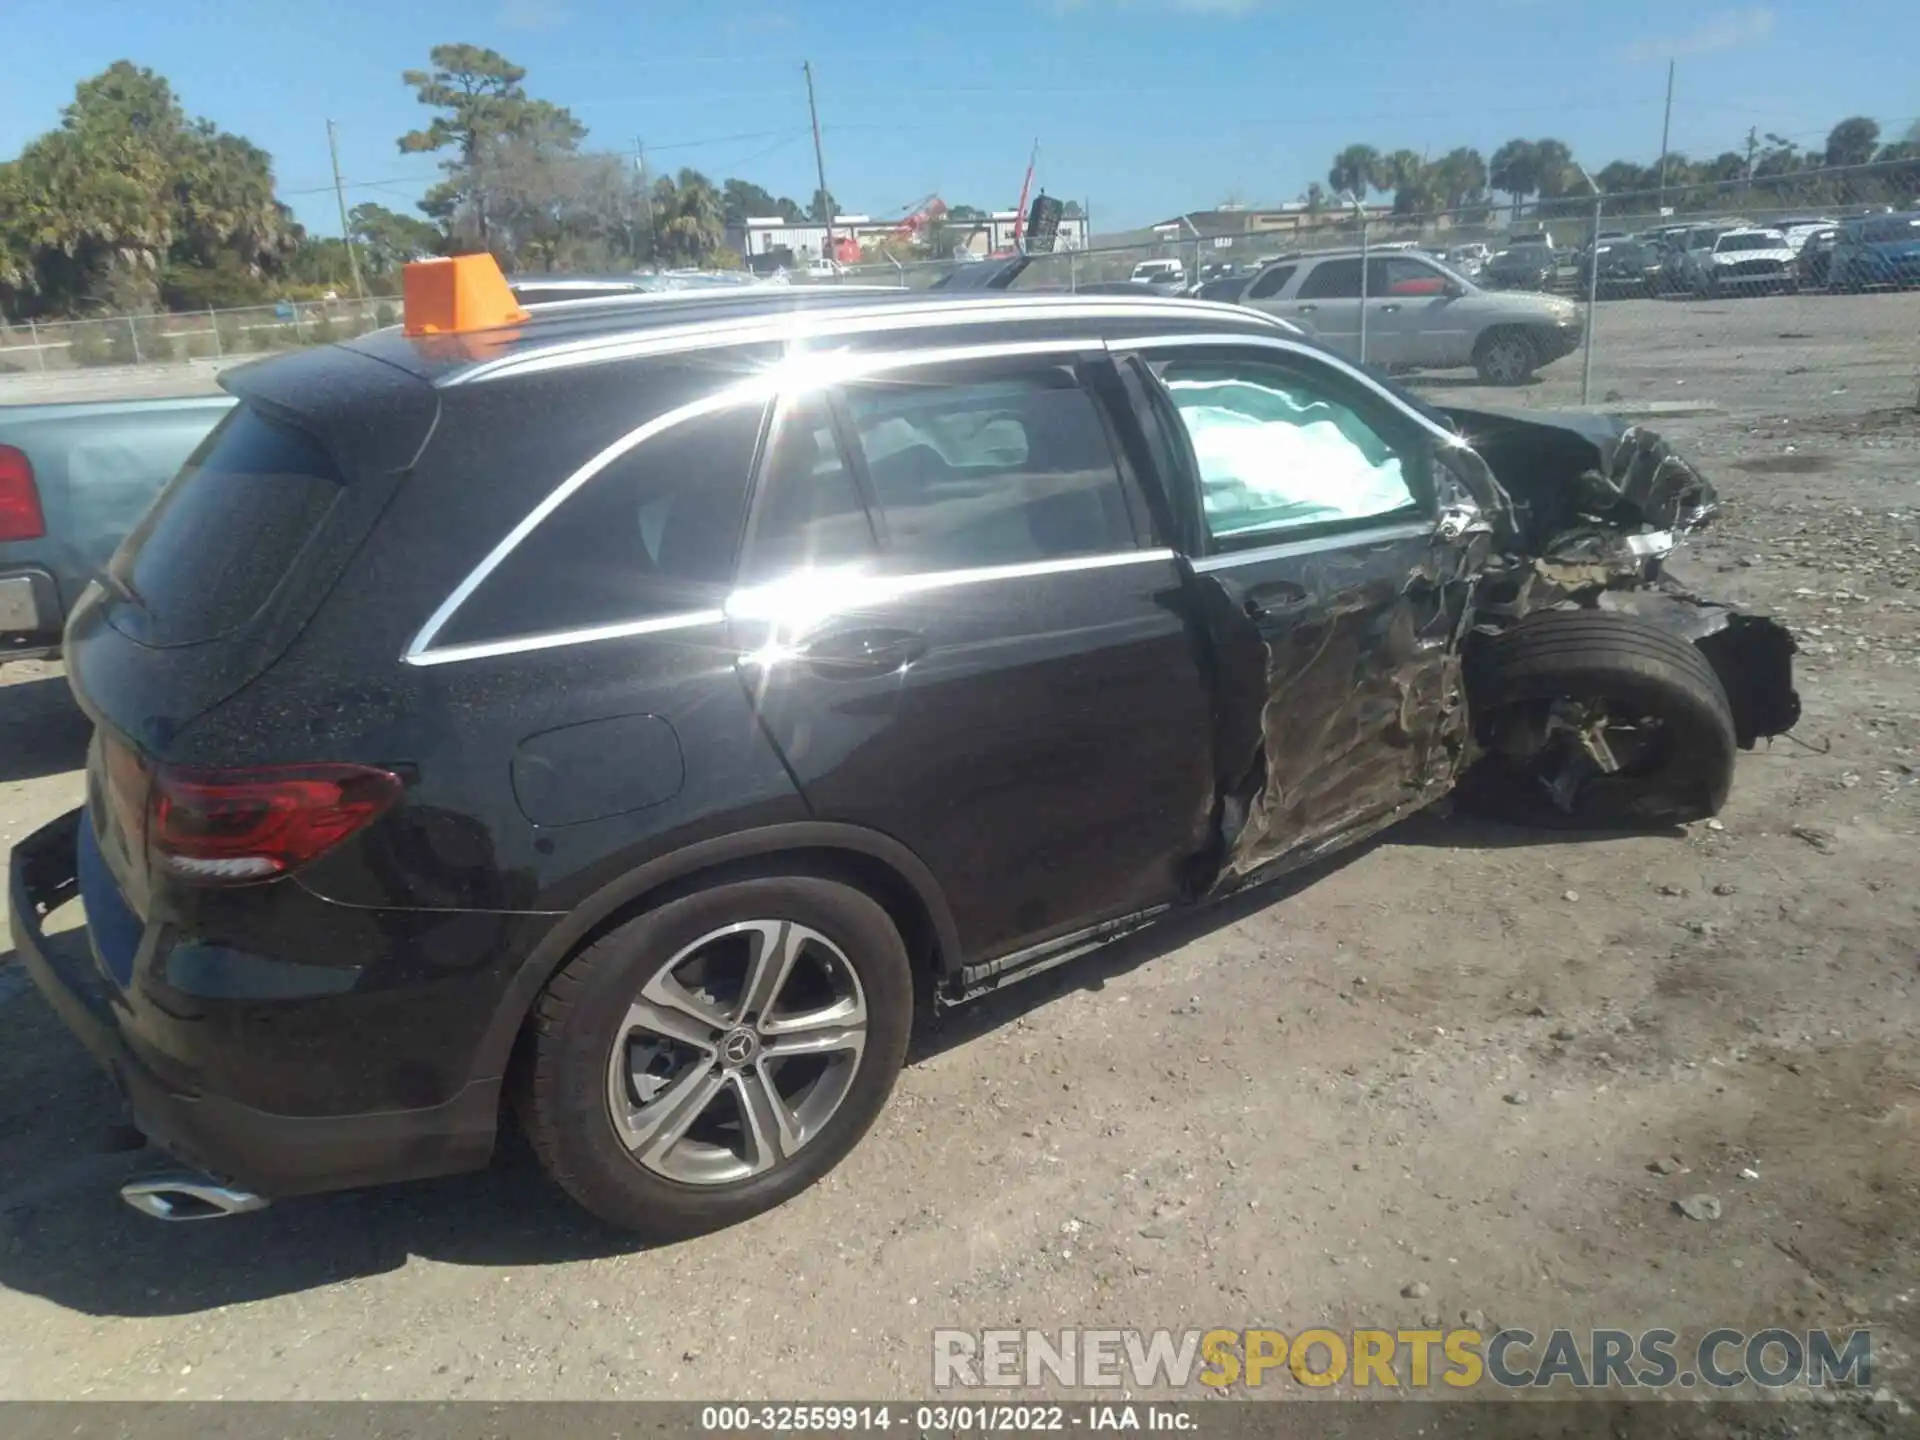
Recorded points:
(1360, 697)
(1360, 701)
(1574, 477)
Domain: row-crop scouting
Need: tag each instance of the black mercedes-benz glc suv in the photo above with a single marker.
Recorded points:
(624, 716)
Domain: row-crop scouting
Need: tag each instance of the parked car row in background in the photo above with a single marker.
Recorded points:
(1722, 257)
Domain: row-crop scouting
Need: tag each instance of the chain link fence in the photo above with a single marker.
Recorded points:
(1651, 245)
(1665, 246)
(46, 346)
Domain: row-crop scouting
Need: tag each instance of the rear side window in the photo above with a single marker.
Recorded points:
(1332, 280)
(809, 514)
(225, 532)
(1005, 469)
(1271, 283)
(654, 533)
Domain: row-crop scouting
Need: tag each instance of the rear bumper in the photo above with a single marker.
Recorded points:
(273, 1155)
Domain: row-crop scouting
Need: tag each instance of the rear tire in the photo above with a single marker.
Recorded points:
(1660, 687)
(603, 1139)
(1506, 357)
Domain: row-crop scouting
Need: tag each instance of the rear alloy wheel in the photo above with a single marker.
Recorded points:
(1592, 718)
(1505, 357)
(710, 1059)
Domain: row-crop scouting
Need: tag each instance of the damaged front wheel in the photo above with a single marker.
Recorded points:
(1589, 718)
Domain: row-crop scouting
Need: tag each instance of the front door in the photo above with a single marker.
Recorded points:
(1413, 314)
(958, 630)
(1314, 512)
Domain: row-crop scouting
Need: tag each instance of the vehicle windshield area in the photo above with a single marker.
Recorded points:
(1448, 268)
(1750, 240)
(1891, 230)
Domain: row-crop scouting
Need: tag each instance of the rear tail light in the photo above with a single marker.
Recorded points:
(234, 826)
(20, 515)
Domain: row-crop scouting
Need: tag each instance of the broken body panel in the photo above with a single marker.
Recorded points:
(1363, 689)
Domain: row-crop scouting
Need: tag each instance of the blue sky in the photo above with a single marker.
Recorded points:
(1142, 108)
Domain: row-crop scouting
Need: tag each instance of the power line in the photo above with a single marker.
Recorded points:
(725, 139)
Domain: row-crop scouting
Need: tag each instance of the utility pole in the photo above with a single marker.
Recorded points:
(819, 164)
(646, 201)
(1666, 132)
(1593, 288)
(1753, 143)
(346, 235)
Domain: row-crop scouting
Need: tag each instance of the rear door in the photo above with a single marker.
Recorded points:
(958, 627)
(1265, 290)
(1313, 509)
(1326, 300)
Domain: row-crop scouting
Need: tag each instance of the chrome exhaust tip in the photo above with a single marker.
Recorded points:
(187, 1196)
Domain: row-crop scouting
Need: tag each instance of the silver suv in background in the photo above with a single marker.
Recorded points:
(1420, 314)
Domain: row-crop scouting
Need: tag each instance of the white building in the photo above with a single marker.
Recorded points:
(768, 237)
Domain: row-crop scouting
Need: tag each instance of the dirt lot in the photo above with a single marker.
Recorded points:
(1443, 1066)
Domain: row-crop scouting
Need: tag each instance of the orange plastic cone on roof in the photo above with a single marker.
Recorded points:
(456, 293)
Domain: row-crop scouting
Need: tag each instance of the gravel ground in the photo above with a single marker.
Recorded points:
(1464, 1073)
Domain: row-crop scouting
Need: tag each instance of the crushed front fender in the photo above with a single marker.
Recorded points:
(1751, 654)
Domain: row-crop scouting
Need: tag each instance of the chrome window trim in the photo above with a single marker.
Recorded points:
(802, 325)
(719, 400)
(521, 644)
(800, 372)
(773, 600)
(1339, 540)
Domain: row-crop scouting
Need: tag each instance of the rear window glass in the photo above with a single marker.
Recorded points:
(225, 532)
(1885, 232)
(652, 534)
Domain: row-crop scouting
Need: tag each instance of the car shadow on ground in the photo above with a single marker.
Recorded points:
(1422, 380)
(66, 1236)
(46, 732)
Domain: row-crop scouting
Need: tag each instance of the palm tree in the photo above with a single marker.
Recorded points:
(1515, 168)
(1554, 171)
(1405, 173)
(1459, 176)
(1355, 170)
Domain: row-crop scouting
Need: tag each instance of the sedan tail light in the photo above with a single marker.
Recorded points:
(21, 517)
(235, 826)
